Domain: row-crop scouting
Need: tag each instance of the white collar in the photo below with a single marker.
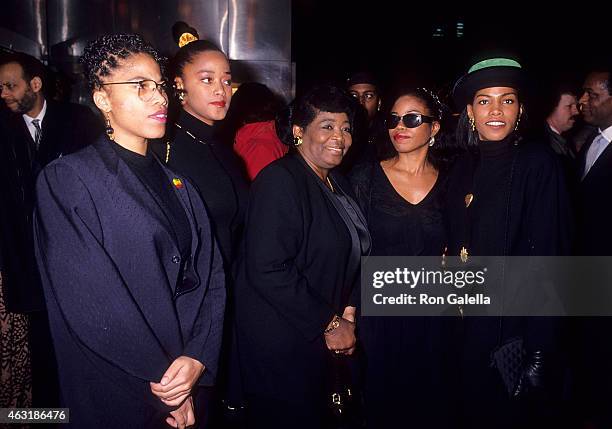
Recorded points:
(607, 133)
(553, 129)
(40, 116)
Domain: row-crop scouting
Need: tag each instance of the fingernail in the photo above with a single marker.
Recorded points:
(164, 381)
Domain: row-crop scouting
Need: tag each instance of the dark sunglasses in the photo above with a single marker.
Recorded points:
(410, 120)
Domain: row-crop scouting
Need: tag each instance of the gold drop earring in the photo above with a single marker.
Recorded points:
(472, 124)
(110, 132)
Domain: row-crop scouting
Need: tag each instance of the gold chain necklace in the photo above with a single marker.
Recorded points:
(331, 187)
(186, 132)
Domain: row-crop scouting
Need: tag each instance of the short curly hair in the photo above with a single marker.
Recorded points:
(303, 110)
(102, 55)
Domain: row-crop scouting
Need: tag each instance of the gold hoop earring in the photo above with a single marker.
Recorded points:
(432, 140)
(181, 95)
(110, 132)
(518, 121)
(472, 124)
(297, 141)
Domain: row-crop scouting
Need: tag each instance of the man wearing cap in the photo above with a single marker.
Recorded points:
(363, 86)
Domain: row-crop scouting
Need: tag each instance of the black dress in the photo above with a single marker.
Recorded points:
(407, 360)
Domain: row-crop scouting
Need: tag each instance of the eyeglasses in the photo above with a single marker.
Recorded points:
(410, 120)
(146, 88)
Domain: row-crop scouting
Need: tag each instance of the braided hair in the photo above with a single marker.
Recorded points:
(104, 55)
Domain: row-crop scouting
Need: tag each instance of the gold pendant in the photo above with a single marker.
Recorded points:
(468, 200)
(463, 255)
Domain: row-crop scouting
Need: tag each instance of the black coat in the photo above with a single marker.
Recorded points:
(66, 128)
(109, 266)
(594, 205)
(530, 217)
(297, 269)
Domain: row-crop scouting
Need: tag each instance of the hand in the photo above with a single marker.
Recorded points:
(342, 340)
(183, 416)
(532, 378)
(176, 384)
(349, 313)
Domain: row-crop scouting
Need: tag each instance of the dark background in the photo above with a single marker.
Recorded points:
(395, 39)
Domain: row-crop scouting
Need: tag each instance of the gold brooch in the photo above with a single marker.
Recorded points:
(468, 200)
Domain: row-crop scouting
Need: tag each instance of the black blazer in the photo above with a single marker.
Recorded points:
(594, 208)
(66, 128)
(295, 273)
(109, 267)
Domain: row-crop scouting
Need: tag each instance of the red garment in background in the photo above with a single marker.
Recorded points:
(258, 145)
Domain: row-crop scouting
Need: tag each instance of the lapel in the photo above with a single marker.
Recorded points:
(184, 192)
(355, 255)
(23, 135)
(604, 161)
(583, 152)
(138, 193)
(51, 143)
(130, 195)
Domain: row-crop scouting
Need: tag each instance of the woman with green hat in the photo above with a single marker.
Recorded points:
(506, 197)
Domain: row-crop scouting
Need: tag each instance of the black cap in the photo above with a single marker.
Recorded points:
(361, 77)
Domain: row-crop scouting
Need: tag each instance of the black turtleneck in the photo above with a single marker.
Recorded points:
(215, 171)
(491, 193)
(152, 175)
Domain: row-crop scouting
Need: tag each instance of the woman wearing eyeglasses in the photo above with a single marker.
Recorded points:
(132, 275)
(402, 197)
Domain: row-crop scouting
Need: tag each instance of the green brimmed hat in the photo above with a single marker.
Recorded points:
(485, 74)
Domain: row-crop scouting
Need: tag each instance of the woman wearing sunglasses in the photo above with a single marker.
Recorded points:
(132, 275)
(402, 197)
(506, 197)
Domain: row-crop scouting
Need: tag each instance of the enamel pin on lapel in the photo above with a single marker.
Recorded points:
(178, 184)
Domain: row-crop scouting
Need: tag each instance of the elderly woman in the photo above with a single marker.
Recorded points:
(131, 272)
(506, 197)
(297, 292)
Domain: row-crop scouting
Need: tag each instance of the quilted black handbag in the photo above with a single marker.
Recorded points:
(509, 360)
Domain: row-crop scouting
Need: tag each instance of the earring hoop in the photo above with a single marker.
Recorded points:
(432, 140)
(518, 120)
(297, 141)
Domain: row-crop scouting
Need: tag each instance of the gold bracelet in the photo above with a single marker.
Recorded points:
(333, 325)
